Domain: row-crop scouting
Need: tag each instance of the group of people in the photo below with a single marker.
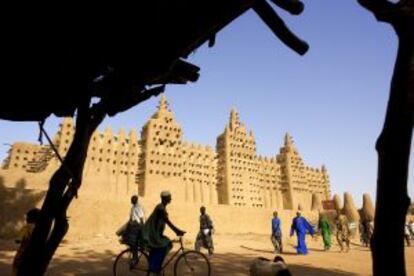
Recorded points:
(302, 227)
(149, 233)
(299, 225)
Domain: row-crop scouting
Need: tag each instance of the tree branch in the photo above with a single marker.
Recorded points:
(279, 28)
(295, 7)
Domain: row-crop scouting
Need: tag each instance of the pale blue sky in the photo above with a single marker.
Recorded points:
(332, 100)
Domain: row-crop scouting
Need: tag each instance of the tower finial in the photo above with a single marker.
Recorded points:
(163, 103)
(234, 118)
(288, 140)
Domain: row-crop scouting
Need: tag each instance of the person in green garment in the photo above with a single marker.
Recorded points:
(153, 234)
(325, 231)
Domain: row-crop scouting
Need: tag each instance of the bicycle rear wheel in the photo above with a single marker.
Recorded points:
(128, 264)
(192, 263)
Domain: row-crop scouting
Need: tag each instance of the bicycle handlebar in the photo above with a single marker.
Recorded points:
(179, 240)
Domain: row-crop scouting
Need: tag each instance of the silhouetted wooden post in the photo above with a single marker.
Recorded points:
(53, 224)
(394, 142)
(64, 184)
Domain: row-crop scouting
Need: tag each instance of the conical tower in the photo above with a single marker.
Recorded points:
(349, 209)
(368, 210)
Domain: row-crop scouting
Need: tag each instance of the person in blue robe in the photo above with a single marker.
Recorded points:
(301, 226)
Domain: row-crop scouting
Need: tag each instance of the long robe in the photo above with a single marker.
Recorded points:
(153, 230)
(153, 236)
(204, 236)
(326, 232)
(301, 226)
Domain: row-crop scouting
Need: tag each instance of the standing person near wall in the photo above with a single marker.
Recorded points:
(205, 235)
(130, 232)
(136, 222)
(276, 236)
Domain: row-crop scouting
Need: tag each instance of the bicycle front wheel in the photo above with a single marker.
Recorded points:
(192, 263)
(128, 263)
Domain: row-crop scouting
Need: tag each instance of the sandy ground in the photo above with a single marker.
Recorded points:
(233, 255)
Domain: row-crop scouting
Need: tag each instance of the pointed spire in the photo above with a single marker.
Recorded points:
(288, 140)
(132, 134)
(121, 132)
(163, 103)
(163, 109)
(234, 118)
(108, 132)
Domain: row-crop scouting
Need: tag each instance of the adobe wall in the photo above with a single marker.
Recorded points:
(95, 213)
(90, 217)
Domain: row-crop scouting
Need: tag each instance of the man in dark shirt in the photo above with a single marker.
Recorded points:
(204, 237)
(153, 233)
(276, 236)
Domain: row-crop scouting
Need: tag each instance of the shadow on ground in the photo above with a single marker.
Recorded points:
(238, 264)
(84, 263)
(89, 262)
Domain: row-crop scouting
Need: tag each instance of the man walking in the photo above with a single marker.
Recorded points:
(342, 234)
(276, 236)
(325, 231)
(204, 236)
(301, 226)
(136, 222)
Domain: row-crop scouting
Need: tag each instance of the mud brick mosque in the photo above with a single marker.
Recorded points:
(231, 174)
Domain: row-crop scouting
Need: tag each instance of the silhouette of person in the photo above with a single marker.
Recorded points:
(24, 235)
(153, 233)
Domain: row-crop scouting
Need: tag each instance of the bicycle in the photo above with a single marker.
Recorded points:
(188, 262)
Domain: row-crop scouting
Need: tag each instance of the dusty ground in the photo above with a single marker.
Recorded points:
(233, 256)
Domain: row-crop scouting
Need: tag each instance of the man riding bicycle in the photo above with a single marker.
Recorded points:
(153, 234)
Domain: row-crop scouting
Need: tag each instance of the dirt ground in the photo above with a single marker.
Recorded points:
(233, 255)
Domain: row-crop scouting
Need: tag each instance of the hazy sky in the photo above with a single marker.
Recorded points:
(332, 100)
